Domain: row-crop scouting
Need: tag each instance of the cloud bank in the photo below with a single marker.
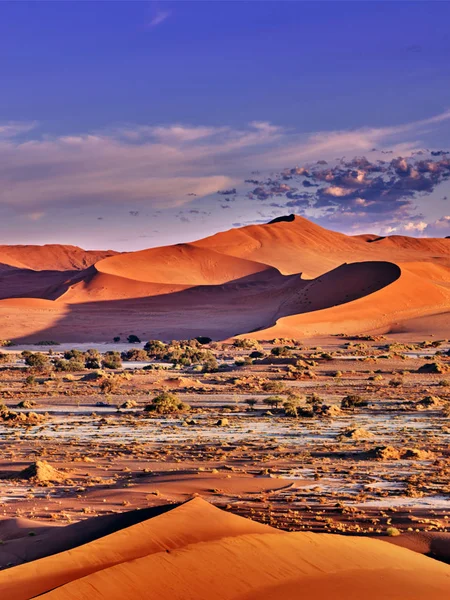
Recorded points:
(168, 166)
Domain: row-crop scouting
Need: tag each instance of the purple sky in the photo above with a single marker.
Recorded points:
(131, 124)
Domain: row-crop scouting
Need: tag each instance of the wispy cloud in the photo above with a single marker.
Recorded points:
(13, 129)
(162, 167)
(158, 18)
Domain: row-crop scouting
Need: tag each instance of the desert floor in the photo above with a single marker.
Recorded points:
(375, 469)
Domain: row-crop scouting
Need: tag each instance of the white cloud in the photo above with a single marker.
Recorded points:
(412, 227)
(161, 165)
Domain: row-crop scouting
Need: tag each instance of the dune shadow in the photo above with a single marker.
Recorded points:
(248, 304)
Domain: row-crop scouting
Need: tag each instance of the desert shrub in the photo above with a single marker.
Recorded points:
(292, 406)
(273, 387)
(4, 357)
(75, 354)
(68, 366)
(256, 354)
(109, 385)
(116, 339)
(396, 382)
(92, 363)
(133, 339)
(444, 383)
(282, 351)
(186, 353)
(210, 365)
(135, 354)
(245, 343)
(166, 403)
(314, 400)
(155, 349)
(353, 401)
(111, 360)
(47, 343)
(30, 381)
(36, 359)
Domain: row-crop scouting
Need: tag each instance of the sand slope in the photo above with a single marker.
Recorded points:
(286, 278)
(197, 551)
(50, 257)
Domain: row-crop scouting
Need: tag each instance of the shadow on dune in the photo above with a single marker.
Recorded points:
(219, 311)
(59, 539)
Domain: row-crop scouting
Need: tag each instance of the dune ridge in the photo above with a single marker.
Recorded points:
(289, 278)
(199, 551)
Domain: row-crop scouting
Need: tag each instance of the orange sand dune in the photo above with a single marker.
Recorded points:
(198, 551)
(409, 297)
(290, 246)
(290, 278)
(183, 264)
(190, 523)
(102, 286)
(51, 257)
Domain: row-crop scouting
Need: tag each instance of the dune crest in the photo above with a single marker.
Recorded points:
(289, 278)
(198, 551)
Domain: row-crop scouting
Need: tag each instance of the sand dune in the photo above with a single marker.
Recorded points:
(51, 257)
(406, 298)
(198, 551)
(286, 278)
(190, 523)
(183, 264)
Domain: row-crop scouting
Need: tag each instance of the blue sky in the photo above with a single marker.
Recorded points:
(120, 121)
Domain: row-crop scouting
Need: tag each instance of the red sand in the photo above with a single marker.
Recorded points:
(291, 279)
(198, 551)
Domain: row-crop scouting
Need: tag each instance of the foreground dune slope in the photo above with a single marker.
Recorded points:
(198, 552)
(189, 523)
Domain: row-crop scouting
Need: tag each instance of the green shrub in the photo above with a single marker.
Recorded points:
(166, 403)
(112, 360)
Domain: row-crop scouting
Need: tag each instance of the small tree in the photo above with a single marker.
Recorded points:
(251, 402)
(273, 401)
(133, 339)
